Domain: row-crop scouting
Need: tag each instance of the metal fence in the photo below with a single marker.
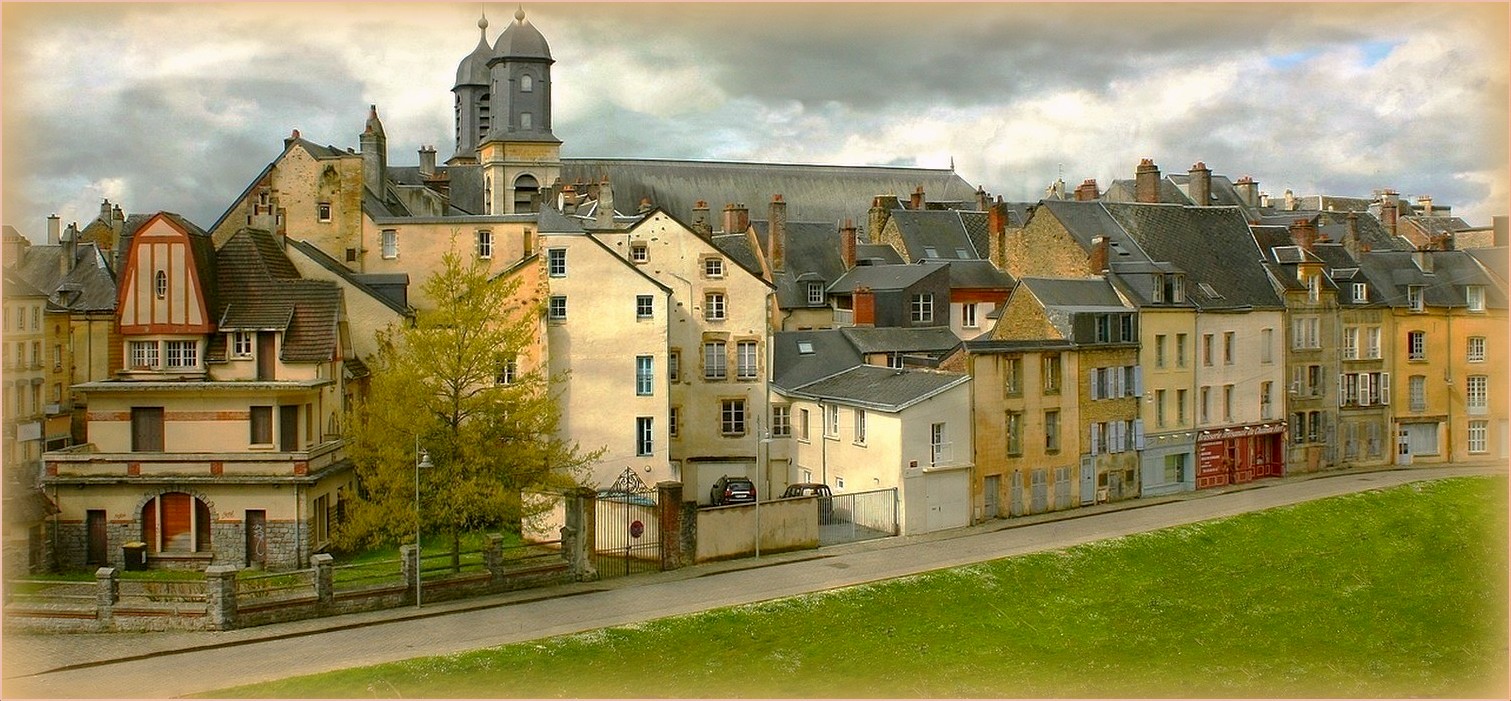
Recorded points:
(857, 516)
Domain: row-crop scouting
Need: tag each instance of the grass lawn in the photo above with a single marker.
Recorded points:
(1389, 593)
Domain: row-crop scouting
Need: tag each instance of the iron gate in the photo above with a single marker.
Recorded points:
(627, 528)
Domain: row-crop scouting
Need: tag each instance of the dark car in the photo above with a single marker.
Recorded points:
(814, 489)
(732, 490)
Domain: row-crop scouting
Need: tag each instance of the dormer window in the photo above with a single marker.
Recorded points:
(815, 293)
(1175, 288)
(1414, 297)
(241, 344)
(1361, 292)
(526, 83)
(160, 284)
(639, 252)
(1158, 295)
(1475, 297)
(1314, 288)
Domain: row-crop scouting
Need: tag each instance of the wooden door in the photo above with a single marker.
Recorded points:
(266, 360)
(288, 427)
(99, 539)
(146, 429)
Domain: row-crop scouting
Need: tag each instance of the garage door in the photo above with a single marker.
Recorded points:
(1421, 438)
(947, 497)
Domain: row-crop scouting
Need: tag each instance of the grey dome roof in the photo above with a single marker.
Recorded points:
(473, 70)
(521, 40)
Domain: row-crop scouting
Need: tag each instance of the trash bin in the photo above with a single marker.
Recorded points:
(135, 555)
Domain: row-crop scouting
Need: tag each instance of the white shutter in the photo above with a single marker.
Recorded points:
(1115, 436)
(1138, 381)
(1096, 436)
(1117, 381)
(1095, 379)
(1384, 388)
(1342, 390)
(1138, 434)
(1363, 389)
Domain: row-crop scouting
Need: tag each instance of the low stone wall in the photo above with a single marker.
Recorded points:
(729, 531)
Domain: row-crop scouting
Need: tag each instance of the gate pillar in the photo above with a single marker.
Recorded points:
(669, 515)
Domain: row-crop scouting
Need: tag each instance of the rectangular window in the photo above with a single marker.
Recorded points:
(183, 354)
(939, 453)
(1265, 405)
(1227, 348)
(1159, 408)
(644, 443)
(674, 365)
(262, 425)
(1416, 392)
(556, 262)
(1227, 402)
(1476, 349)
(922, 308)
(1180, 350)
(323, 211)
(1266, 345)
(146, 429)
(1314, 427)
(645, 376)
(1348, 388)
(781, 420)
(1206, 349)
(484, 244)
(1479, 431)
(1206, 405)
(1351, 343)
(639, 252)
(802, 426)
(1013, 381)
(1052, 431)
(713, 268)
(713, 306)
(57, 357)
(732, 417)
(1298, 427)
(241, 344)
(1051, 365)
(508, 369)
(1416, 345)
(1372, 343)
(715, 365)
(1475, 297)
(1477, 394)
(557, 308)
(831, 421)
(1159, 350)
(1414, 297)
(645, 306)
(1180, 407)
(673, 421)
(1361, 292)
(745, 360)
(1014, 433)
(390, 243)
(968, 315)
(815, 293)
(144, 355)
(860, 426)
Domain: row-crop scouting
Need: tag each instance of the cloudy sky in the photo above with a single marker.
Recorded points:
(178, 107)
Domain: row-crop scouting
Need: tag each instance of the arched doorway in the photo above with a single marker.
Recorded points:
(175, 522)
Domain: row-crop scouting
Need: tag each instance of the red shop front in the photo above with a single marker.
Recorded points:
(1239, 454)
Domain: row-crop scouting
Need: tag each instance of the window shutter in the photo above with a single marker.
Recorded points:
(1096, 385)
(1363, 389)
(1138, 381)
(1115, 436)
(1138, 434)
(1384, 390)
(1096, 437)
(1342, 390)
(1117, 381)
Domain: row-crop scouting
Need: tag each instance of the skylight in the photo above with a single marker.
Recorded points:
(805, 347)
(1208, 291)
(962, 254)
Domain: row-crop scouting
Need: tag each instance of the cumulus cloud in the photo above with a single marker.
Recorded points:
(177, 107)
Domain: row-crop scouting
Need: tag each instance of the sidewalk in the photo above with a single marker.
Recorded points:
(71, 665)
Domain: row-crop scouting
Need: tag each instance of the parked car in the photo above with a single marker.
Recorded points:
(814, 489)
(732, 490)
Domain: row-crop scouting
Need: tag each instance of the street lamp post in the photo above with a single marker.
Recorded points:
(422, 461)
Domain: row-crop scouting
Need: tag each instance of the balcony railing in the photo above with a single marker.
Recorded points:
(85, 462)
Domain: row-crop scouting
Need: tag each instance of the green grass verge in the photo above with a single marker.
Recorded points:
(1388, 593)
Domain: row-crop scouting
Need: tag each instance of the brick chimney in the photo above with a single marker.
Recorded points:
(864, 303)
(996, 242)
(603, 216)
(568, 200)
(292, 137)
(917, 202)
(54, 230)
(701, 224)
(1146, 182)
(69, 240)
(427, 162)
(1388, 210)
(1087, 191)
(1200, 187)
(1304, 233)
(847, 243)
(1248, 191)
(1425, 203)
(983, 200)
(1096, 263)
(776, 220)
(1351, 235)
(736, 218)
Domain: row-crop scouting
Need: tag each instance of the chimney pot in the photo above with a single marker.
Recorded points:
(1146, 179)
(917, 201)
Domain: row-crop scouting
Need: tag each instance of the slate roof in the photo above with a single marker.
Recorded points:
(1391, 272)
(929, 339)
(1080, 294)
(876, 254)
(261, 289)
(812, 250)
(1435, 225)
(737, 247)
(832, 353)
(89, 286)
(814, 193)
(359, 282)
(939, 234)
(978, 275)
(1334, 226)
(1494, 259)
(884, 277)
(881, 388)
(1212, 245)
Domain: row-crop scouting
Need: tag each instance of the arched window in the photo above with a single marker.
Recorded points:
(526, 189)
(526, 83)
(176, 522)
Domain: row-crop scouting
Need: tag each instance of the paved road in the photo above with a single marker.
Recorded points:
(173, 664)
